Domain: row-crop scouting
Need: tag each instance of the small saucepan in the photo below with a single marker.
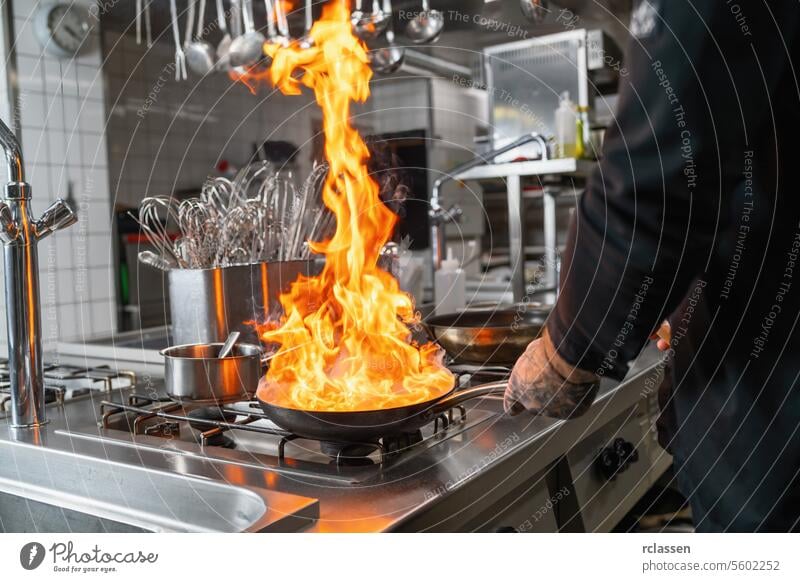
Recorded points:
(195, 373)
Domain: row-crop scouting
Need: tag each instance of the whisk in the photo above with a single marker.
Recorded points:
(258, 216)
(155, 227)
(200, 231)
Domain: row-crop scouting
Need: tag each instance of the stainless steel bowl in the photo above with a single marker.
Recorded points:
(194, 373)
(486, 336)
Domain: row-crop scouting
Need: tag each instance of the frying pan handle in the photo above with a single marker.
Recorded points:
(427, 329)
(490, 389)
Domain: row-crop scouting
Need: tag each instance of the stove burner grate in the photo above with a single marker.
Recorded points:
(64, 382)
(213, 422)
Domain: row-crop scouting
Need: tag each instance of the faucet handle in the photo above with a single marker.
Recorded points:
(57, 216)
(8, 226)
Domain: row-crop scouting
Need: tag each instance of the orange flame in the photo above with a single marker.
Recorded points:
(344, 342)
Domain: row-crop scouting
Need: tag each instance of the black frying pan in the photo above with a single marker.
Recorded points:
(369, 425)
(488, 336)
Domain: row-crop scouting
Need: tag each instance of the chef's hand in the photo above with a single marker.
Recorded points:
(663, 335)
(543, 383)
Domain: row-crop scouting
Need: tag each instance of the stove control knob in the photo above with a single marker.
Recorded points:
(627, 452)
(616, 458)
(607, 464)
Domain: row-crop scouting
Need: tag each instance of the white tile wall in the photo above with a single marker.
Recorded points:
(62, 117)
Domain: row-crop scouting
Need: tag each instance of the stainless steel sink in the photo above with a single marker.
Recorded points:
(43, 489)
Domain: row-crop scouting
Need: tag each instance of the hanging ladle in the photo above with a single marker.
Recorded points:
(180, 56)
(283, 36)
(224, 46)
(200, 55)
(369, 25)
(246, 50)
(426, 26)
(388, 59)
(306, 41)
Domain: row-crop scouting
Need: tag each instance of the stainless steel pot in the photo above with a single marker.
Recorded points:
(194, 373)
(208, 304)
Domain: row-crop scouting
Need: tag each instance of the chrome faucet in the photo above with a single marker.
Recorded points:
(19, 234)
(439, 216)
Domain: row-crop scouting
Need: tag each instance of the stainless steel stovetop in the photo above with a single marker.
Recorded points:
(241, 434)
(165, 471)
(64, 382)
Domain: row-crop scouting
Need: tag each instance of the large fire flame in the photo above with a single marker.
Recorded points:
(344, 342)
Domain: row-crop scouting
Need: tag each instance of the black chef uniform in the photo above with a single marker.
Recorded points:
(694, 214)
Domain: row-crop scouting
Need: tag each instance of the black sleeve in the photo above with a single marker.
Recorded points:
(694, 91)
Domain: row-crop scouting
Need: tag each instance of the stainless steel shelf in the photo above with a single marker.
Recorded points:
(561, 166)
(512, 173)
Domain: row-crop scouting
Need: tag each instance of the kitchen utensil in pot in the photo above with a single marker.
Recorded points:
(308, 213)
(157, 261)
(199, 231)
(258, 217)
(427, 26)
(366, 426)
(200, 55)
(195, 372)
(154, 225)
(180, 55)
(229, 344)
(487, 337)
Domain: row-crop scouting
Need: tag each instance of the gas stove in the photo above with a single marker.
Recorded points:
(409, 482)
(240, 433)
(64, 382)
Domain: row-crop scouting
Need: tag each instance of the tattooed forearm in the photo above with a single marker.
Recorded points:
(538, 386)
(558, 400)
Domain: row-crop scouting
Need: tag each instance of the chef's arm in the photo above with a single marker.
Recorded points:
(694, 90)
(646, 225)
(544, 383)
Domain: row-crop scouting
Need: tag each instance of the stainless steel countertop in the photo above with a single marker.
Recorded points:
(393, 499)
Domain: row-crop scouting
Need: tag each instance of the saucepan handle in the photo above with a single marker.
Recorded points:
(490, 389)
